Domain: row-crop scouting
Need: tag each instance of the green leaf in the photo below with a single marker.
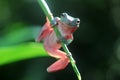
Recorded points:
(19, 35)
(19, 52)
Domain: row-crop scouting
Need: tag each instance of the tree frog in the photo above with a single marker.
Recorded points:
(66, 25)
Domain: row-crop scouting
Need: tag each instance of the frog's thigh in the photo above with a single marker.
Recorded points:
(55, 52)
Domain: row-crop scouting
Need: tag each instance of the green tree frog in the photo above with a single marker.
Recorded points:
(66, 25)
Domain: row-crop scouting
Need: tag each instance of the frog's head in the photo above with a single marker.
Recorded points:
(73, 22)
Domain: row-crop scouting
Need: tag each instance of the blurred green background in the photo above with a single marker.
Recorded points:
(96, 45)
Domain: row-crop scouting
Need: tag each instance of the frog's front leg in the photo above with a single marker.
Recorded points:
(54, 22)
(64, 40)
(61, 63)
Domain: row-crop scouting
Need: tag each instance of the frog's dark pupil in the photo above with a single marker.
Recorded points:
(63, 14)
(78, 21)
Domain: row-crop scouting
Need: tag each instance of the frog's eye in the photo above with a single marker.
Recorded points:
(63, 14)
(77, 21)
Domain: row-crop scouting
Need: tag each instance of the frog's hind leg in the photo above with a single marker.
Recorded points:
(58, 65)
(61, 63)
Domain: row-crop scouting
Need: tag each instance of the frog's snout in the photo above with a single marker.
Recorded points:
(76, 22)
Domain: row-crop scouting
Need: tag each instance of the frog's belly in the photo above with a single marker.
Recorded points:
(51, 41)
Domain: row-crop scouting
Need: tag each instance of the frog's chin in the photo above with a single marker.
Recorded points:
(73, 30)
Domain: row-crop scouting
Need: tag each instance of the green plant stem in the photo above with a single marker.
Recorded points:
(48, 13)
(46, 9)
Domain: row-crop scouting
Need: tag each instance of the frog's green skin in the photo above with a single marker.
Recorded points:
(73, 22)
(66, 26)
